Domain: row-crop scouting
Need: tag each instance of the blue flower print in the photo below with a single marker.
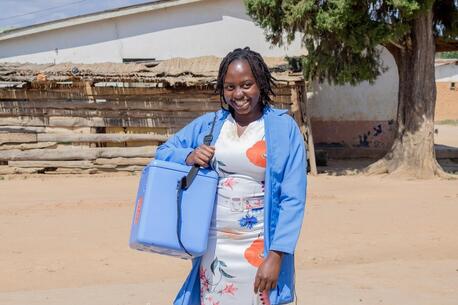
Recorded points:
(248, 221)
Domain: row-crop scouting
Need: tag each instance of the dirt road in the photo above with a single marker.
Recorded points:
(365, 240)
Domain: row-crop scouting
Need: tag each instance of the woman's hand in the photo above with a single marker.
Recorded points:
(267, 275)
(201, 155)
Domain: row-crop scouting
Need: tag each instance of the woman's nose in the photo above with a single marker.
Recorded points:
(238, 93)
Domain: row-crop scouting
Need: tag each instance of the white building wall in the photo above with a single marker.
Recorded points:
(447, 73)
(190, 30)
(364, 102)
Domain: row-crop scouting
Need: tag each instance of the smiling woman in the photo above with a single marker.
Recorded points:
(258, 153)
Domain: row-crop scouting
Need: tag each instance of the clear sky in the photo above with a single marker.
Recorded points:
(20, 13)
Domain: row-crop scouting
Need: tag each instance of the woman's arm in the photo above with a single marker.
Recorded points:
(292, 204)
(292, 195)
(182, 144)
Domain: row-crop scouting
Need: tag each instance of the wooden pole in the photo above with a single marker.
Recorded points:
(88, 138)
(77, 153)
(311, 146)
(299, 110)
(51, 121)
(43, 163)
(27, 146)
(18, 138)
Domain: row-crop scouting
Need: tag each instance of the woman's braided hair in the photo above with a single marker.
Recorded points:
(261, 73)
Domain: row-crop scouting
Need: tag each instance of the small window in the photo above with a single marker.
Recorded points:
(453, 86)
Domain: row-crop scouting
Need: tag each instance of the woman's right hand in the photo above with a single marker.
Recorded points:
(201, 155)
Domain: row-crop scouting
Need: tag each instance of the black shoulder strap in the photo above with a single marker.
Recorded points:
(186, 182)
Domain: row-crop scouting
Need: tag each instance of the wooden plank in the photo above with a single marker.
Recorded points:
(17, 138)
(72, 171)
(122, 161)
(185, 91)
(22, 129)
(100, 93)
(40, 94)
(47, 163)
(88, 138)
(132, 152)
(205, 105)
(59, 85)
(76, 153)
(132, 168)
(122, 114)
(8, 170)
(28, 146)
(170, 122)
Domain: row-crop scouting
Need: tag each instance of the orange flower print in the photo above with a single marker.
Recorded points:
(257, 153)
(254, 254)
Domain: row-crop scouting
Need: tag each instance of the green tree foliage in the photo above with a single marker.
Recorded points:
(449, 55)
(342, 37)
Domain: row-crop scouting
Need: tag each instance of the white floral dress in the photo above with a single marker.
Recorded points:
(236, 243)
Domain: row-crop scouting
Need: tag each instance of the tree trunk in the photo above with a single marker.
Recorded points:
(412, 152)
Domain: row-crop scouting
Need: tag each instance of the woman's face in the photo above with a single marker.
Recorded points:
(241, 91)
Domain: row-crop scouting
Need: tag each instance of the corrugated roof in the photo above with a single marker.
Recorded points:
(187, 71)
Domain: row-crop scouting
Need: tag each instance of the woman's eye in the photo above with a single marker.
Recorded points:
(246, 85)
(228, 87)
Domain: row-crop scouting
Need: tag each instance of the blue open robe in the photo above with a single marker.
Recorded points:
(285, 189)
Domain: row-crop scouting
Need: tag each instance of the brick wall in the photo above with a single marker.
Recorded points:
(446, 102)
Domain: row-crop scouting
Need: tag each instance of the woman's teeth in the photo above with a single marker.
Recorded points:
(241, 103)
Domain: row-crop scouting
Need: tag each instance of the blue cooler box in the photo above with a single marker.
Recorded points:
(154, 225)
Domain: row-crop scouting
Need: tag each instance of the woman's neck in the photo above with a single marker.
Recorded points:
(245, 119)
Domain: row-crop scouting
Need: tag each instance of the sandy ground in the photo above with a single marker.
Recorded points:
(365, 240)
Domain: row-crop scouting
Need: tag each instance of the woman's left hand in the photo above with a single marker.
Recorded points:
(267, 274)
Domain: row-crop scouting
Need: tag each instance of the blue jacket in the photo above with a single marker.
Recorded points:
(284, 199)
